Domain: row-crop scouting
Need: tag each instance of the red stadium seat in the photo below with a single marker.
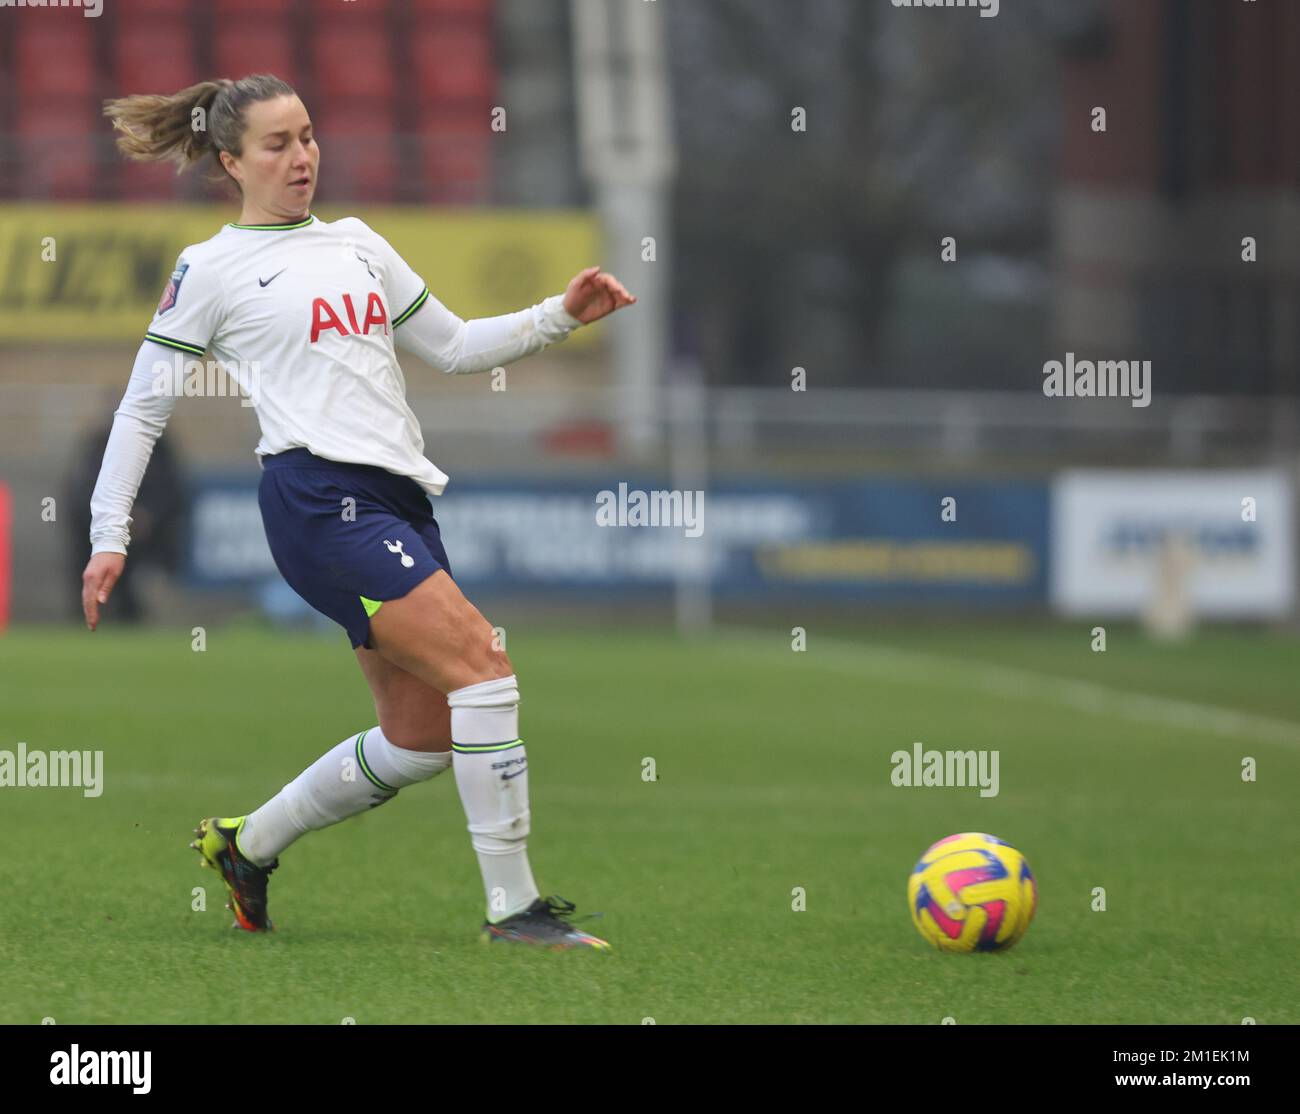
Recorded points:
(452, 63)
(348, 9)
(130, 9)
(239, 49)
(154, 56)
(56, 149)
(470, 8)
(55, 58)
(8, 80)
(455, 169)
(152, 181)
(36, 116)
(353, 61)
(330, 114)
(358, 157)
(229, 12)
(456, 119)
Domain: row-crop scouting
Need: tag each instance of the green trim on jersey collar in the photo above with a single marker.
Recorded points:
(273, 227)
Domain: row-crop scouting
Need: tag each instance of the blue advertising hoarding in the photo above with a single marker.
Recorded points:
(891, 541)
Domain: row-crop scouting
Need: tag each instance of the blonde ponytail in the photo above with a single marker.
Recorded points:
(156, 127)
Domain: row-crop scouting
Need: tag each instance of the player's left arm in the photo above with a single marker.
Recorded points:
(459, 347)
(426, 327)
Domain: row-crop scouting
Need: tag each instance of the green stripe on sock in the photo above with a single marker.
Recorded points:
(361, 761)
(484, 748)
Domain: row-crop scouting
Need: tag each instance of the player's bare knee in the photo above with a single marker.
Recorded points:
(500, 665)
(415, 720)
(487, 667)
(416, 736)
(483, 654)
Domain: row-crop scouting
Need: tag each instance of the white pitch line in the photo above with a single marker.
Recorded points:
(1026, 684)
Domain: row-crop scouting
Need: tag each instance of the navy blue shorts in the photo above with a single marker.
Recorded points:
(346, 537)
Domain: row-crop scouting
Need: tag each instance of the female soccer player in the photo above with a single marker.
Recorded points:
(305, 314)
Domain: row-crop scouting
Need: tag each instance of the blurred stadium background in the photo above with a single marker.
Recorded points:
(504, 143)
(661, 140)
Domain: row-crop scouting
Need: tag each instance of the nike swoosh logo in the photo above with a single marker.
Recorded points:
(507, 777)
(267, 282)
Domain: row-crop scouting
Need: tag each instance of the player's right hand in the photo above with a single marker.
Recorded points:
(102, 572)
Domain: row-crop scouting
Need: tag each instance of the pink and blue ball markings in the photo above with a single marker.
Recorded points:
(956, 881)
(993, 868)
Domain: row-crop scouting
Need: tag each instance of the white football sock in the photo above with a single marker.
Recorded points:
(360, 773)
(492, 776)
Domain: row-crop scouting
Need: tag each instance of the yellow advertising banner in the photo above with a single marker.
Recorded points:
(96, 272)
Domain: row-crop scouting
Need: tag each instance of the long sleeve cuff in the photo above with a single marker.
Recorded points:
(109, 544)
(557, 318)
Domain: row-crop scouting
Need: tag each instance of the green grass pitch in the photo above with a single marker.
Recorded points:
(1119, 770)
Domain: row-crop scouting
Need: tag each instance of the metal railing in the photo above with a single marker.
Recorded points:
(933, 428)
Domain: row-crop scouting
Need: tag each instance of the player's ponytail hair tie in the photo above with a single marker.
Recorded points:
(183, 127)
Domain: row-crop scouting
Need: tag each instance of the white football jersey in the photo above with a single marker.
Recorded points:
(303, 315)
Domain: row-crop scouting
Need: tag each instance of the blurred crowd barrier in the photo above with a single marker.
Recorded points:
(859, 499)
